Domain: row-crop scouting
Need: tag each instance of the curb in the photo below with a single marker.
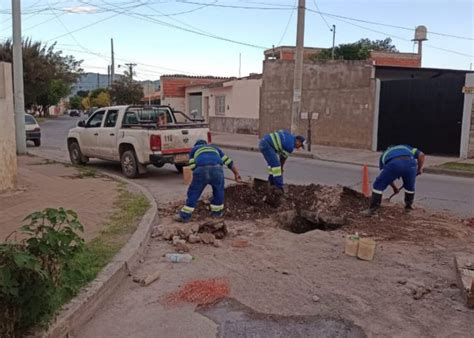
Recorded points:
(82, 307)
(449, 172)
(428, 170)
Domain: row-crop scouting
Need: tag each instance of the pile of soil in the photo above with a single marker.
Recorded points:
(245, 203)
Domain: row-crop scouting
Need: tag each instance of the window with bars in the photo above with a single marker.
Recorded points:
(220, 105)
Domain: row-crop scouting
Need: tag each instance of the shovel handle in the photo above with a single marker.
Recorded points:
(234, 180)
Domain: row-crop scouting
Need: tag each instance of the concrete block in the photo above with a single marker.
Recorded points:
(465, 272)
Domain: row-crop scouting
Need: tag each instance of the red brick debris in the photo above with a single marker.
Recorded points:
(200, 292)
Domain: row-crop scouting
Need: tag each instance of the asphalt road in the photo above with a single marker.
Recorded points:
(438, 192)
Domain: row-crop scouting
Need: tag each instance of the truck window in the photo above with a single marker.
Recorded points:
(111, 118)
(96, 120)
(160, 116)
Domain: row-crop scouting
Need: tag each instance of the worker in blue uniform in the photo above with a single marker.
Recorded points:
(276, 147)
(401, 161)
(206, 161)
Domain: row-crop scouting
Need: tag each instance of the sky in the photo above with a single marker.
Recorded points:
(192, 36)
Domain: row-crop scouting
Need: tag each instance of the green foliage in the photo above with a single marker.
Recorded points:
(75, 102)
(48, 74)
(52, 264)
(31, 270)
(83, 93)
(359, 50)
(126, 91)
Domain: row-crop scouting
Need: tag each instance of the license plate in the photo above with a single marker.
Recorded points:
(181, 158)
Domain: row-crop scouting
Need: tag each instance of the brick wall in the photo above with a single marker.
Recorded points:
(396, 59)
(175, 86)
(341, 92)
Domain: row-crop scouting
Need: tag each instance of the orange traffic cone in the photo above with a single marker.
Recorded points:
(365, 181)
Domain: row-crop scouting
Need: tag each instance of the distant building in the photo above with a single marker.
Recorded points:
(173, 91)
(90, 81)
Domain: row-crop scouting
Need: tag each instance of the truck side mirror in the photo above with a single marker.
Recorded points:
(81, 124)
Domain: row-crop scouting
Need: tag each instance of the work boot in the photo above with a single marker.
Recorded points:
(409, 201)
(178, 218)
(375, 202)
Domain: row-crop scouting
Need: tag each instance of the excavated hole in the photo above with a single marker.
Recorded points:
(304, 221)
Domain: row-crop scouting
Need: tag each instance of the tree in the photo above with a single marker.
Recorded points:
(83, 93)
(126, 91)
(102, 100)
(75, 102)
(48, 74)
(86, 103)
(359, 50)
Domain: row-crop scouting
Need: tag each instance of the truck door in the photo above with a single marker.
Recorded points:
(108, 135)
(90, 136)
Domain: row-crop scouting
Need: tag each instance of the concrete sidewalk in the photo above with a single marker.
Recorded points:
(45, 184)
(324, 153)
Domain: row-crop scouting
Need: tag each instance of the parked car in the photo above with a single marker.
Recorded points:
(74, 112)
(136, 136)
(33, 130)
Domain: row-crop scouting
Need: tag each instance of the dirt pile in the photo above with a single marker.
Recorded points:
(338, 207)
(245, 203)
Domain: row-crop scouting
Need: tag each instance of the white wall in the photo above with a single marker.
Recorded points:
(242, 98)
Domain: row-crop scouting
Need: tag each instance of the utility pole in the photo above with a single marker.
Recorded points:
(108, 76)
(98, 80)
(298, 78)
(19, 99)
(130, 69)
(112, 66)
(333, 40)
(240, 64)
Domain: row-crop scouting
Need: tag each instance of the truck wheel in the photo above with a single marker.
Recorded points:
(179, 167)
(129, 164)
(75, 154)
(37, 142)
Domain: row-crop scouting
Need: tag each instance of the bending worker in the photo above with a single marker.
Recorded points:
(401, 161)
(276, 147)
(206, 161)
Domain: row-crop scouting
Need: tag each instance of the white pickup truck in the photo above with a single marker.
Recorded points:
(136, 136)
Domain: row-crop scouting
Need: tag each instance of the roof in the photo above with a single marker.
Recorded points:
(424, 69)
(181, 76)
(253, 76)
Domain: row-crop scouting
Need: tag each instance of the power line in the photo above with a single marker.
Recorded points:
(387, 25)
(287, 25)
(324, 19)
(70, 34)
(405, 39)
(128, 60)
(167, 24)
(235, 6)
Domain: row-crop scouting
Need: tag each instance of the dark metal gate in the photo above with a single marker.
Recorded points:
(425, 113)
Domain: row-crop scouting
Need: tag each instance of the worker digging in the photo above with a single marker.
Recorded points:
(401, 161)
(206, 161)
(275, 148)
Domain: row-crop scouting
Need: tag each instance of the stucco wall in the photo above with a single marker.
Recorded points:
(234, 125)
(342, 93)
(8, 164)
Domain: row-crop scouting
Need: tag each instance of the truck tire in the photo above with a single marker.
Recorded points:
(75, 154)
(37, 142)
(179, 167)
(129, 163)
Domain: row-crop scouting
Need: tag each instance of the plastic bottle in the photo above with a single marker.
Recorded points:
(179, 258)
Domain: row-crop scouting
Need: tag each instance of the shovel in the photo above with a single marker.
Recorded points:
(399, 189)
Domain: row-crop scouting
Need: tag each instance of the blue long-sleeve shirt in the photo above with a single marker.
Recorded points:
(208, 154)
(397, 151)
(282, 141)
